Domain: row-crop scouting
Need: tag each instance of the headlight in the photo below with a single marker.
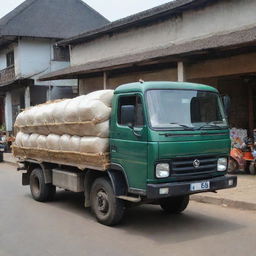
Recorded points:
(162, 170)
(222, 164)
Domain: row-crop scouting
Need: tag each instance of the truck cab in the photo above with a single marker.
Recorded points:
(167, 140)
(170, 139)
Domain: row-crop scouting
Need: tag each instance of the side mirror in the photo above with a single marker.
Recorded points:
(227, 104)
(128, 115)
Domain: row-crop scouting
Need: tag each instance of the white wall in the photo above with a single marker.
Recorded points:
(34, 58)
(222, 17)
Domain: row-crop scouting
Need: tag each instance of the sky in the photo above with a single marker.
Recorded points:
(111, 9)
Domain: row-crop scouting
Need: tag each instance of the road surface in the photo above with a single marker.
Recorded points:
(64, 227)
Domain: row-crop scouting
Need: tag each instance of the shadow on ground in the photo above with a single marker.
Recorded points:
(151, 222)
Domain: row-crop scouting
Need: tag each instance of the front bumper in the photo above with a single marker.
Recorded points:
(183, 188)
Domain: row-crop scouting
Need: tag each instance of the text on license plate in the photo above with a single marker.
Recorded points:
(200, 186)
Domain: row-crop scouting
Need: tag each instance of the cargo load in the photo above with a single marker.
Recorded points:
(71, 131)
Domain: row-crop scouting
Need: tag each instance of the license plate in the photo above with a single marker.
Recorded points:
(200, 186)
(1, 149)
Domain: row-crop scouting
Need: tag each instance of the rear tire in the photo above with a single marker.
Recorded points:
(40, 191)
(107, 209)
(175, 205)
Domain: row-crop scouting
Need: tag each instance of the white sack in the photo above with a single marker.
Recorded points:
(75, 143)
(25, 140)
(98, 130)
(65, 143)
(39, 115)
(30, 115)
(20, 119)
(88, 129)
(47, 114)
(59, 111)
(18, 139)
(94, 145)
(71, 113)
(41, 142)
(25, 117)
(53, 142)
(93, 110)
(104, 96)
(33, 140)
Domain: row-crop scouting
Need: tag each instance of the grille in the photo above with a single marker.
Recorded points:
(185, 165)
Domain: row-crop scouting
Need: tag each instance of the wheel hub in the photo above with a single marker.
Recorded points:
(102, 201)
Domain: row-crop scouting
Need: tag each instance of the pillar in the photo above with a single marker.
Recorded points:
(8, 111)
(181, 72)
(27, 97)
(105, 80)
(49, 93)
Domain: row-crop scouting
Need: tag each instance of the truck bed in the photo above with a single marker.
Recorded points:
(80, 160)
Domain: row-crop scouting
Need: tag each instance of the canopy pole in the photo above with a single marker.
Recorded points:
(181, 71)
(105, 80)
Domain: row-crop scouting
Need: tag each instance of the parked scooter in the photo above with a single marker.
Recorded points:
(243, 159)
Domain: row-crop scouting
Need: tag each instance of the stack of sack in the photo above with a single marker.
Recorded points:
(70, 130)
(238, 137)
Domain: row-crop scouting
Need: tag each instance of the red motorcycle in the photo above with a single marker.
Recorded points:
(242, 161)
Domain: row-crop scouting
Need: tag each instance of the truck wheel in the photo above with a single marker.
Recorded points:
(106, 207)
(175, 205)
(40, 191)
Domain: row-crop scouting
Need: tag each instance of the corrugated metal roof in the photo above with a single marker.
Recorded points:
(51, 19)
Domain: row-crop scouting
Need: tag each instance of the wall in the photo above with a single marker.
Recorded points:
(239, 64)
(91, 84)
(194, 24)
(34, 58)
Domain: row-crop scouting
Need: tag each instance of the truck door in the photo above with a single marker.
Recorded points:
(128, 144)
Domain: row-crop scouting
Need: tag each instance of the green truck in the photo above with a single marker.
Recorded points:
(168, 140)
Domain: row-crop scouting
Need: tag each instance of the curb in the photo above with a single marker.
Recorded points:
(224, 202)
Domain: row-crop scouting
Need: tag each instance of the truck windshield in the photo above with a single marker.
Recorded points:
(185, 109)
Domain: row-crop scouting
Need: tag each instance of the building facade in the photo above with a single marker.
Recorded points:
(210, 42)
(28, 37)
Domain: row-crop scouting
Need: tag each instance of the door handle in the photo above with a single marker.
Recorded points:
(113, 148)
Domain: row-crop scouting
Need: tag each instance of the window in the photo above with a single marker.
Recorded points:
(61, 53)
(10, 59)
(172, 109)
(130, 111)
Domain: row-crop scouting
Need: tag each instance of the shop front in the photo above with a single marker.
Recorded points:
(234, 76)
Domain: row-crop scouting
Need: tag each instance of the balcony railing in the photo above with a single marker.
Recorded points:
(7, 75)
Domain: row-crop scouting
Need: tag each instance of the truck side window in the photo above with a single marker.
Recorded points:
(130, 111)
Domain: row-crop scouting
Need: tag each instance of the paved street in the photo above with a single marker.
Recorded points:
(64, 227)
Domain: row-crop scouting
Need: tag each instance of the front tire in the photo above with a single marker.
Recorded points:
(40, 191)
(175, 205)
(107, 209)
